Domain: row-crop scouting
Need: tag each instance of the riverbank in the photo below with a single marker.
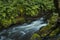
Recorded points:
(51, 31)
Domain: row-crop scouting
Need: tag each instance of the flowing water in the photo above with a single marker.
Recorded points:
(22, 32)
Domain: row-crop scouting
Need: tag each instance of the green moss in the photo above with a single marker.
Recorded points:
(35, 37)
(20, 20)
(51, 21)
(45, 30)
(53, 33)
(6, 23)
(0, 26)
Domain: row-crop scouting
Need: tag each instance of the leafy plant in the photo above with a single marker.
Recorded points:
(10, 9)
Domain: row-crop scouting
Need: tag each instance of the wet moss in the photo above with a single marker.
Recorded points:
(51, 22)
(35, 37)
(54, 33)
(48, 30)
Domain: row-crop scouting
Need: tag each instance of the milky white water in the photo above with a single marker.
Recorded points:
(22, 32)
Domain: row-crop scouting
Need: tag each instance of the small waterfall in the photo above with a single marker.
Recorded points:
(22, 32)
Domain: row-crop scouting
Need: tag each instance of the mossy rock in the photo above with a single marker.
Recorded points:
(51, 21)
(35, 37)
(54, 33)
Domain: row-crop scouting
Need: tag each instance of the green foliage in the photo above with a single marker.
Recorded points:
(53, 19)
(10, 9)
(6, 22)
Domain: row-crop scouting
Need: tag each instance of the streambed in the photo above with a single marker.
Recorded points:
(22, 32)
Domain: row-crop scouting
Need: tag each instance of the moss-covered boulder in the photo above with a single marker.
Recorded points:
(51, 30)
(35, 37)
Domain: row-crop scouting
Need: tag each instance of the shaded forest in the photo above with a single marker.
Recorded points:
(17, 12)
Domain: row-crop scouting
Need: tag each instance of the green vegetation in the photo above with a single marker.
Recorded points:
(50, 30)
(53, 33)
(16, 11)
(13, 11)
(51, 22)
(35, 37)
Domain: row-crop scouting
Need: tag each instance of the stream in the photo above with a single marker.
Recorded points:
(22, 32)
